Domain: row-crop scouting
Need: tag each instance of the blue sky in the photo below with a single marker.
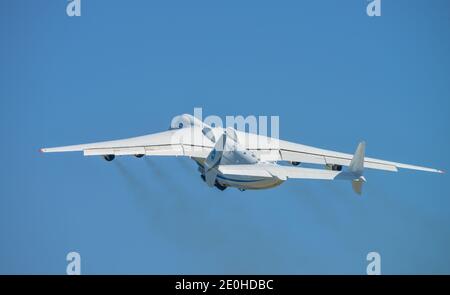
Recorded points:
(334, 76)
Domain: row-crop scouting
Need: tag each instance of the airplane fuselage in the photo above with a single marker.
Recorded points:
(241, 182)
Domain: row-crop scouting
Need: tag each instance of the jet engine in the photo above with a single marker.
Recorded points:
(333, 167)
(109, 158)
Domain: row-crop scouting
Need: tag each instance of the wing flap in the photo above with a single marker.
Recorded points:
(196, 151)
(160, 150)
(114, 151)
(302, 157)
(164, 150)
(379, 166)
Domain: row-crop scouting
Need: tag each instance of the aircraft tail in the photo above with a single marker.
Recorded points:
(356, 168)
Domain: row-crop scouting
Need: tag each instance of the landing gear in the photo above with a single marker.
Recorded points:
(109, 158)
(294, 163)
(217, 184)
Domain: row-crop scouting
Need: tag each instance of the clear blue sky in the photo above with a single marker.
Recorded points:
(332, 74)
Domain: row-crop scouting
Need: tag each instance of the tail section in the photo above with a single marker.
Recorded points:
(357, 184)
(356, 168)
(357, 164)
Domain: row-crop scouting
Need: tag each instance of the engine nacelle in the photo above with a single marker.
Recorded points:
(109, 158)
(333, 167)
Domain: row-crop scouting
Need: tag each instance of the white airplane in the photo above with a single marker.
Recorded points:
(231, 158)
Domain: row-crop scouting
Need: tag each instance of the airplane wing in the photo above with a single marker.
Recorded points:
(179, 142)
(301, 153)
(271, 149)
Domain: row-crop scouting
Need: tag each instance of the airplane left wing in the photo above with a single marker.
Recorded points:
(271, 149)
(179, 142)
(301, 153)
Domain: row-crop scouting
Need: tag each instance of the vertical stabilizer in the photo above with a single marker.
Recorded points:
(357, 164)
(356, 167)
